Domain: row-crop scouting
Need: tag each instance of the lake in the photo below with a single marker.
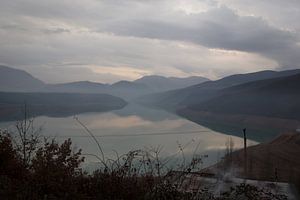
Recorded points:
(136, 127)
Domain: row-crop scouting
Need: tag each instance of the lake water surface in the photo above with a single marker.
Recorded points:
(136, 127)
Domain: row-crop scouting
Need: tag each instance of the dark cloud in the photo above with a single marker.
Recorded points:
(219, 28)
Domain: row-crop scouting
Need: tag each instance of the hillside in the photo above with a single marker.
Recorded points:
(263, 160)
(207, 90)
(77, 87)
(128, 85)
(16, 80)
(160, 83)
(277, 97)
(55, 104)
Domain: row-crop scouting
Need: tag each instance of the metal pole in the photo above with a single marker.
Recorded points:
(245, 152)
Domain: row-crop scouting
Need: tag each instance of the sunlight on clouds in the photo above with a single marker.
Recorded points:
(191, 6)
(253, 60)
(242, 61)
(130, 73)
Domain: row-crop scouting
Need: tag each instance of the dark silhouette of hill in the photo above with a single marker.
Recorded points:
(128, 85)
(128, 89)
(161, 83)
(18, 80)
(77, 87)
(263, 160)
(55, 104)
(277, 97)
(267, 106)
(202, 92)
(14, 80)
(123, 89)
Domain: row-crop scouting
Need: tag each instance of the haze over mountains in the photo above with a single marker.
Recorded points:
(21, 81)
(202, 92)
(55, 104)
(265, 102)
(160, 83)
(266, 98)
(19, 87)
(277, 97)
(18, 80)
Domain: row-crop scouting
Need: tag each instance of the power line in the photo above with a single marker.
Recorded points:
(138, 134)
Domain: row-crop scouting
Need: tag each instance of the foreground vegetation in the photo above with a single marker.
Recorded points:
(32, 167)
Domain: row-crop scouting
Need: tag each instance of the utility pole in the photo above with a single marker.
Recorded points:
(245, 153)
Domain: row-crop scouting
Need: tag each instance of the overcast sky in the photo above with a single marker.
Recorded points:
(109, 40)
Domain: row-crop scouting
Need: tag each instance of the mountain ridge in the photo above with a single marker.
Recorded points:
(161, 83)
(12, 79)
(207, 90)
(55, 104)
(278, 97)
(10, 82)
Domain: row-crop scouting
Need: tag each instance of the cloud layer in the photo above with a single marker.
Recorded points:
(109, 40)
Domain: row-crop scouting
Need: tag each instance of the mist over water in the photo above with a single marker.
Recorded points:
(136, 127)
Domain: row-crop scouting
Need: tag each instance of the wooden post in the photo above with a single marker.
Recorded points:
(245, 153)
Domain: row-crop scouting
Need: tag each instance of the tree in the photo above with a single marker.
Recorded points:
(28, 138)
(56, 169)
(12, 171)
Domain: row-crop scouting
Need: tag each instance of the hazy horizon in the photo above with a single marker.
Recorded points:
(113, 82)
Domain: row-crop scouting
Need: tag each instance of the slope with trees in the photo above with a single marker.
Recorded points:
(55, 104)
(202, 92)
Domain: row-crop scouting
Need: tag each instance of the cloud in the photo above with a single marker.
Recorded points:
(114, 39)
(283, 14)
(218, 28)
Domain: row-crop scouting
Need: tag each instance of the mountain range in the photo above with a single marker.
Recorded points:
(277, 97)
(264, 99)
(20, 81)
(205, 91)
(266, 103)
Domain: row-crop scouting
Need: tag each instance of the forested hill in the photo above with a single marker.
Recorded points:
(277, 97)
(55, 104)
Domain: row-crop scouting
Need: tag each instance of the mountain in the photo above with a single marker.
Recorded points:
(145, 85)
(14, 80)
(161, 83)
(129, 85)
(128, 90)
(281, 155)
(266, 108)
(207, 90)
(18, 80)
(278, 97)
(55, 104)
(77, 87)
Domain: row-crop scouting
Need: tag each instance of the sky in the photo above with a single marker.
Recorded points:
(110, 40)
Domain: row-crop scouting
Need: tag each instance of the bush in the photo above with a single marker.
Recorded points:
(54, 172)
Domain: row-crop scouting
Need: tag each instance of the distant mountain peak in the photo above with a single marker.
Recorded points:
(12, 79)
(128, 85)
(82, 83)
(161, 83)
(150, 77)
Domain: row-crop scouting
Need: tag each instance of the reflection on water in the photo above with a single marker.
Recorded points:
(136, 127)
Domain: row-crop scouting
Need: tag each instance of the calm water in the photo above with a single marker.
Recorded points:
(136, 127)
